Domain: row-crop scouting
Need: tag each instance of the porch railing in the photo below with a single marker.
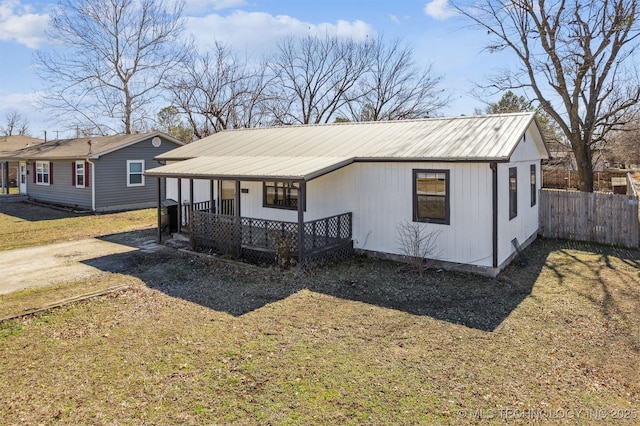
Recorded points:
(264, 239)
(226, 208)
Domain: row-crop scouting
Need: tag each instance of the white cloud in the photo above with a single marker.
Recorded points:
(199, 6)
(439, 9)
(19, 23)
(258, 32)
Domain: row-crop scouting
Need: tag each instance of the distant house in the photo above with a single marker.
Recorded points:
(8, 165)
(472, 182)
(103, 173)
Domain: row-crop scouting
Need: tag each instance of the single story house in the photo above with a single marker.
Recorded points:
(9, 167)
(103, 173)
(470, 182)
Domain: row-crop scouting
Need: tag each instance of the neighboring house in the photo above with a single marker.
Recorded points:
(103, 173)
(9, 167)
(472, 182)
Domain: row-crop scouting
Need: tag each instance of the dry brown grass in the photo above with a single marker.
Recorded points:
(25, 225)
(361, 342)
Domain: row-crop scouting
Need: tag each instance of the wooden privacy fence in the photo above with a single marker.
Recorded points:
(584, 216)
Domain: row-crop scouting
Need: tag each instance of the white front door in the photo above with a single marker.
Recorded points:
(22, 177)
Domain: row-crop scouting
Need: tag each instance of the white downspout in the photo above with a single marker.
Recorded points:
(93, 185)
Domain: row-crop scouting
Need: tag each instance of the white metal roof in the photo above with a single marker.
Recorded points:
(303, 152)
(247, 168)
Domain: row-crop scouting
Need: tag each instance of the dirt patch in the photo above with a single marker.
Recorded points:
(74, 260)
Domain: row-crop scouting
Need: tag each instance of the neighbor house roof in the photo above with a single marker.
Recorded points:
(304, 152)
(10, 144)
(87, 147)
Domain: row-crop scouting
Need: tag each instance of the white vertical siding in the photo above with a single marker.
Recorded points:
(380, 196)
(201, 191)
(525, 224)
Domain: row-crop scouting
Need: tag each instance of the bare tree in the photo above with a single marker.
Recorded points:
(314, 77)
(16, 124)
(112, 57)
(624, 145)
(571, 56)
(395, 87)
(218, 91)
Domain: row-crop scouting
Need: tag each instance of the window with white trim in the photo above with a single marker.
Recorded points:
(135, 172)
(79, 174)
(43, 174)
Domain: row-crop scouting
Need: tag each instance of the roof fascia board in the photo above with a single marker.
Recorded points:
(138, 140)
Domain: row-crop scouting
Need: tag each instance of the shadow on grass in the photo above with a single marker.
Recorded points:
(470, 300)
(34, 213)
(613, 277)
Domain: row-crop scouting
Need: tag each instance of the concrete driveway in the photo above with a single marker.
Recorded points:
(42, 266)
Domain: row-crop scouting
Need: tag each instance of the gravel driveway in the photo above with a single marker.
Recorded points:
(42, 266)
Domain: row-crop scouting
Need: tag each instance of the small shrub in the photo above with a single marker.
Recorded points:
(417, 244)
(284, 243)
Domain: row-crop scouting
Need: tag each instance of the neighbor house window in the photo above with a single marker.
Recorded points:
(135, 170)
(43, 173)
(532, 177)
(513, 192)
(431, 196)
(281, 194)
(79, 169)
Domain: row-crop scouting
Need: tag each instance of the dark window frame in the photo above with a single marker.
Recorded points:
(447, 197)
(533, 178)
(513, 192)
(286, 196)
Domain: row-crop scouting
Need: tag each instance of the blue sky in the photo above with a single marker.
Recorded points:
(253, 26)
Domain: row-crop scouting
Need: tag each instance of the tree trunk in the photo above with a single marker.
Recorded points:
(583, 156)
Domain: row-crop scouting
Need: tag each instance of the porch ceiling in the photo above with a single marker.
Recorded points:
(251, 168)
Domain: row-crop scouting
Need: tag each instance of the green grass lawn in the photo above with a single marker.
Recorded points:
(24, 225)
(196, 341)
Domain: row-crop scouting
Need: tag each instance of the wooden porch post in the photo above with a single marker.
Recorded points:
(159, 211)
(179, 205)
(212, 208)
(239, 221)
(237, 200)
(191, 202)
(301, 197)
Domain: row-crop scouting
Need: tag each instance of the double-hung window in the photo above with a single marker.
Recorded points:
(431, 196)
(79, 174)
(43, 173)
(282, 195)
(135, 170)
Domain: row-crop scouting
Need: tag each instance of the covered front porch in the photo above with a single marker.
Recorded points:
(267, 234)
(272, 241)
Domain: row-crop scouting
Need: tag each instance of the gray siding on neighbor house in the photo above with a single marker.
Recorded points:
(62, 190)
(112, 191)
